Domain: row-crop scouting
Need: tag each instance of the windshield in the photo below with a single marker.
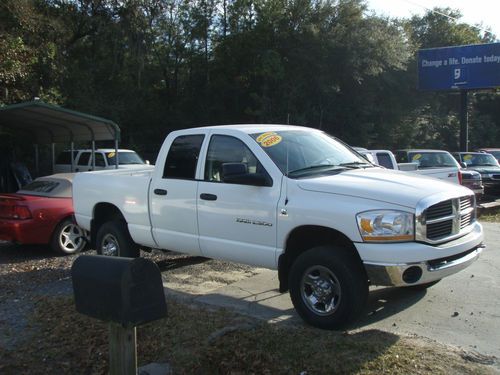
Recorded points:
(298, 153)
(124, 158)
(433, 159)
(474, 160)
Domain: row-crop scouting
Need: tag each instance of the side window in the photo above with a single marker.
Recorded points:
(401, 157)
(225, 149)
(84, 158)
(183, 156)
(99, 160)
(384, 160)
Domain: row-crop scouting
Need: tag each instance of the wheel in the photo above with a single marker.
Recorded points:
(113, 239)
(68, 238)
(422, 286)
(328, 287)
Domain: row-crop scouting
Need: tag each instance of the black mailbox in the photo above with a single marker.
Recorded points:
(128, 291)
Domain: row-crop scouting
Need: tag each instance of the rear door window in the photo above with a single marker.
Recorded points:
(182, 157)
(83, 160)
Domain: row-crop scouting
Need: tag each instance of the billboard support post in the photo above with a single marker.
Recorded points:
(464, 122)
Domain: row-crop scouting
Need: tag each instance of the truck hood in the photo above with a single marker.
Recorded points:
(395, 187)
(485, 169)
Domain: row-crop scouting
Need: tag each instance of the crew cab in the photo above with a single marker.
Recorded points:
(288, 198)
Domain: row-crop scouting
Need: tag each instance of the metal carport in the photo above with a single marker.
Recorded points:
(51, 124)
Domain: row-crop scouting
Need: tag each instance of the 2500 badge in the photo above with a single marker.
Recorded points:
(254, 222)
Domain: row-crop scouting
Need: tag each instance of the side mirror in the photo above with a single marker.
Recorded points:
(237, 173)
(463, 165)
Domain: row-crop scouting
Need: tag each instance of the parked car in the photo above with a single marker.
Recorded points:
(483, 163)
(432, 163)
(493, 151)
(105, 158)
(385, 158)
(42, 213)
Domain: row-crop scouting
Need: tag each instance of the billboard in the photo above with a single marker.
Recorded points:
(475, 66)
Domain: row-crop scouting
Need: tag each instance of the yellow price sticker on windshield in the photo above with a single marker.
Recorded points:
(272, 140)
(111, 155)
(416, 157)
(467, 157)
(261, 137)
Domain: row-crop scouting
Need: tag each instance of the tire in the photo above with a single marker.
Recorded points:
(113, 239)
(328, 287)
(420, 287)
(68, 238)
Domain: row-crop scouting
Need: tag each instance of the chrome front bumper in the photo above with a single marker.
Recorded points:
(421, 272)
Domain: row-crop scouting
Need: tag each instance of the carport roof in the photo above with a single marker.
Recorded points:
(53, 124)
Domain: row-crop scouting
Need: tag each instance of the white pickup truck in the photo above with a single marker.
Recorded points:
(287, 198)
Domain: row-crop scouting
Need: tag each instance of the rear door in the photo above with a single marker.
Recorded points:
(237, 221)
(173, 196)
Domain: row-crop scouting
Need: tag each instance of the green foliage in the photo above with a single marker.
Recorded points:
(157, 65)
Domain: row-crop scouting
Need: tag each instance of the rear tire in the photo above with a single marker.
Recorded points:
(113, 239)
(328, 287)
(68, 238)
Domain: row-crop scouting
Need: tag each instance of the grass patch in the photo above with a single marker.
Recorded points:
(490, 218)
(198, 340)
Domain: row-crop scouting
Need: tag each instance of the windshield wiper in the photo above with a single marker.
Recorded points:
(314, 167)
(356, 164)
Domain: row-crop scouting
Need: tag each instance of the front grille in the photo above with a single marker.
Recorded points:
(445, 220)
(439, 210)
(439, 230)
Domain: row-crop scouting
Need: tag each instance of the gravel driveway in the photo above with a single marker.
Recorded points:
(30, 272)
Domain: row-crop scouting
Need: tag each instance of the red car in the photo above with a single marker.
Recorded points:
(42, 213)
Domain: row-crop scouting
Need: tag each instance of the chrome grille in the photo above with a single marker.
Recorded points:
(443, 220)
(439, 210)
(440, 229)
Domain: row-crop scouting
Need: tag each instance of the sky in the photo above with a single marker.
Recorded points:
(474, 12)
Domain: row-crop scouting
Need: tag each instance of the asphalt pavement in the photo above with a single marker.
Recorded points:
(462, 310)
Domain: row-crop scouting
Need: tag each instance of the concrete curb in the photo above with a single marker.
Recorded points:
(488, 208)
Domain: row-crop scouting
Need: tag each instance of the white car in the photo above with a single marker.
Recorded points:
(105, 158)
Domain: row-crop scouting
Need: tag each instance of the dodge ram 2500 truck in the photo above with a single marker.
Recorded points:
(287, 198)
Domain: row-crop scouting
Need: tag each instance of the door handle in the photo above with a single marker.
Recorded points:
(208, 197)
(160, 192)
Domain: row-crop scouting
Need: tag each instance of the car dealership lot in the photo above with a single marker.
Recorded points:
(461, 310)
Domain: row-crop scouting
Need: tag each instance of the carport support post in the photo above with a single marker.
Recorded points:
(122, 350)
(53, 150)
(37, 169)
(116, 154)
(464, 122)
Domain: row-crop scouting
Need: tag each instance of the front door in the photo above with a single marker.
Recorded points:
(237, 221)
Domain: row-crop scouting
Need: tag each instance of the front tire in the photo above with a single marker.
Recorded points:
(68, 238)
(113, 239)
(328, 287)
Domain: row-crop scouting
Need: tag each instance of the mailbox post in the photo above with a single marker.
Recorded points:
(125, 292)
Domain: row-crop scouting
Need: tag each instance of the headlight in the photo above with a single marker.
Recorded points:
(386, 226)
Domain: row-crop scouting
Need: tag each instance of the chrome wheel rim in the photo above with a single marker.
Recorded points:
(71, 238)
(109, 246)
(320, 290)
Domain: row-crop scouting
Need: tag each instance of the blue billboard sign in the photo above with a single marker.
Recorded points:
(468, 67)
